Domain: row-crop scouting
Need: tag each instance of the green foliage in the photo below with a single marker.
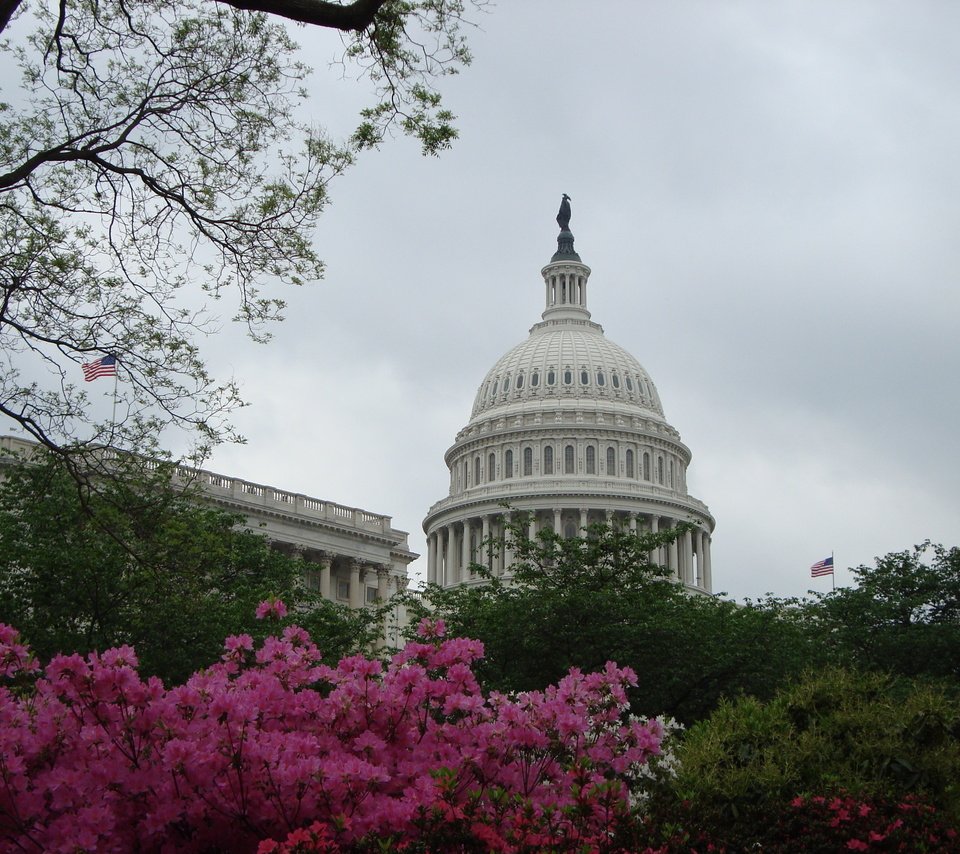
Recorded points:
(833, 732)
(903, 615)
(583, 601)
(132, 560)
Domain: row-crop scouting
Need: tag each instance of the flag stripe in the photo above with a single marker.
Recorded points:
(822, 567)
(105, 366)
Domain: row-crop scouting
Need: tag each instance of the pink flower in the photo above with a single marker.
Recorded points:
(857, 845)
(271, 608)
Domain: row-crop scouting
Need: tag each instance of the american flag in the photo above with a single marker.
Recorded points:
(105, 366)
(822, 567)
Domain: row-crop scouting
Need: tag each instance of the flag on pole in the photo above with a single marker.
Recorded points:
(105, 366)
(822, 567)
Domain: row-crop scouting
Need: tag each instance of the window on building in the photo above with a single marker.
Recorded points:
(584, 378)
(659, 469)
(568, 459)
(646, 466)
(630, 469)
(506, 384)
(476, 471)
(551, 378)
(534, 379)
(519, 381)
(527, 462)
(601, 379)
(591, 453)
(629, 384)
(508, 464)
(496, 385)
(611, 461)
(671, 474)
(491, 467)
(548, 460)
(372, 595)
(569, 530)
(568, 377)
(615, 379)
(343, 590)
(466, 474)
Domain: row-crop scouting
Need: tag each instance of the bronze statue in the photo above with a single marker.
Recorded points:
(563, 217)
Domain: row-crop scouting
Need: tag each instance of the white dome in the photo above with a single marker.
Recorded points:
(563, 362)
(567, 430)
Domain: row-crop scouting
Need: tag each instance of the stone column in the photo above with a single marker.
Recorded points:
(633, 522)
(584, 518)
(688, 557)
(451, 562)
(673, 561)
(484, 542)
(432, 558)
(507, 550)
(356, 584)
(707, 568)
(532, 527)
(556, 522)
(609, 517)
(466, 553)
(383, 575)
(325, 562)
(656, 556)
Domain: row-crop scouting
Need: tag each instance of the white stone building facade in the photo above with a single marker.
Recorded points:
(568, 429)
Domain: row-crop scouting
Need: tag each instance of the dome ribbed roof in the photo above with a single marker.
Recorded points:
(564, 361)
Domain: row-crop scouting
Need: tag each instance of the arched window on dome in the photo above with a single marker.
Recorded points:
(551, 377)
(615, 379)
(568, 460)
(591, 453)
(476, 472)
(646, 465)
(611, 461)
(506, 383)
(508, 464)
(568, 377)
(548, 460)
(519, 381)
(660, 470)
(629, 383)
(496, 386)
(491, 467)
(584, 377)
(534, 379)
(601, 379)
(466, 475)
(527, 462)
(630, 469)
(671, 475)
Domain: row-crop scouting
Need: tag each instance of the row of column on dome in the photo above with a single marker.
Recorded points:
(573, 457)
(453, 547)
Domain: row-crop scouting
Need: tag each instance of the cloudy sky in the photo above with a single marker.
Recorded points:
(769, 198)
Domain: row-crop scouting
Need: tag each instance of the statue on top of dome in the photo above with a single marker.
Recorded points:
(563, 217)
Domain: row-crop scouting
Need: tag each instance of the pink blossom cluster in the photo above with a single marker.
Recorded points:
(270, 744)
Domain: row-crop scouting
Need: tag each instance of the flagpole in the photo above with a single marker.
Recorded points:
(116, 380)
(833, 575)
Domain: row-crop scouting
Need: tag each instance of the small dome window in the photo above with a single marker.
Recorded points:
(496, 386)
(551, 378)
(506, 383)
(519, 381)
(629, 384)
(534, 379)
(584, 378)
(568, 377)
(615, 379)
(601, 379)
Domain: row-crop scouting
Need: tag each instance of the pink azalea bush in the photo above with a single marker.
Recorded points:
(271, 749)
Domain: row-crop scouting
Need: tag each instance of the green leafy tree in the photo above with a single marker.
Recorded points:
(153, 160)
(583, 601)
(831, 733)
(131, 560)
(902, 615)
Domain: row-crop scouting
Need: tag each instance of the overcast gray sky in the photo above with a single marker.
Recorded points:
(769, 197)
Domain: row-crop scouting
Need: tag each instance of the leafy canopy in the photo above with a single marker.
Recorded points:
(153, 160)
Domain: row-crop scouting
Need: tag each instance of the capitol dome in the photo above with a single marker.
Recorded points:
(568, 429)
